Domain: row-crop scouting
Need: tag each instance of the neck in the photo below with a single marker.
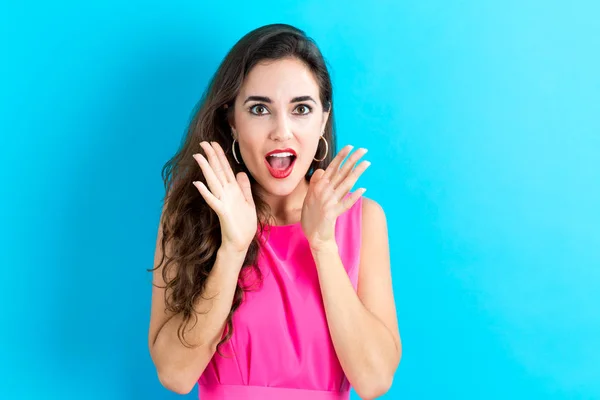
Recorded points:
(287, 209)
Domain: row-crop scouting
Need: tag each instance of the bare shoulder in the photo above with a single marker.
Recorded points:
(373, 215)
(374, 238)
(374, 233)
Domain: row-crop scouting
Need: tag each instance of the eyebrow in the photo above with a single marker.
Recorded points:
(268, 100)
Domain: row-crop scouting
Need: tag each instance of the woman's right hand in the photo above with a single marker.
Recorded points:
(229, 196)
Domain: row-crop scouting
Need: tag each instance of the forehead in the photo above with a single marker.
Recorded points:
(280, 79)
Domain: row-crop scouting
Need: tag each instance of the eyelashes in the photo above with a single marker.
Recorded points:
(306, 106)
(261, 109)
(255, 107)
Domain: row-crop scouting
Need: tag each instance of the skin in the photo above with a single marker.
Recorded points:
(362, 323)
(261, 126)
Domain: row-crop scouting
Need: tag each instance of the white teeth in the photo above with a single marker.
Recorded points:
(281, 155)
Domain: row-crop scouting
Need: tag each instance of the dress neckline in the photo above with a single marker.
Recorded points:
(284, 226)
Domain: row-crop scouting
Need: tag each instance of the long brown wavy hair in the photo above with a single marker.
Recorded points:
(189, 225)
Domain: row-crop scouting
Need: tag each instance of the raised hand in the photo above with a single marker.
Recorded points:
(229, 196)
(325, 199)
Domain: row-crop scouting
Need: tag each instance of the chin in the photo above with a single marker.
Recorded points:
(277, 187)
(281, 187)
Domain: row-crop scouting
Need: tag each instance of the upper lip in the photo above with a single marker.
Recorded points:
(281, 151)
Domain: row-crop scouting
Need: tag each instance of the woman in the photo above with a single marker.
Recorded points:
(271, 279)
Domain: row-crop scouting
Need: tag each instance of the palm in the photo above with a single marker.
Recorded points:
(238, 216)
(315, 224)
(327, 196)
(229, 196)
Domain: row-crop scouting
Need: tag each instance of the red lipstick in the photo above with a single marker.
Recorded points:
(280, 168)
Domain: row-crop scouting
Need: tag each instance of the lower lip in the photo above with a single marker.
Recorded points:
(280, 173)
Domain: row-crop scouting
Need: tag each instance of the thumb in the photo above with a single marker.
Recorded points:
(244, 182)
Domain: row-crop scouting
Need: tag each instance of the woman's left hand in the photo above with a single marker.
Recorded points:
(325, 199)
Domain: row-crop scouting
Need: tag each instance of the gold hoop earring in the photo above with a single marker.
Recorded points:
(326, 149)
(233, 151)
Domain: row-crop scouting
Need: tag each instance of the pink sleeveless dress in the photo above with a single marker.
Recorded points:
(281, 347)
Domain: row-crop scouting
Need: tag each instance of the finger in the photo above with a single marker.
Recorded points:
(224, 162)
(244, 182)
(337, 161)
(347, 168)
(214, 162)
(210, 199)
(347, 184)
(211, 179)
(349, 201)
(316, 177)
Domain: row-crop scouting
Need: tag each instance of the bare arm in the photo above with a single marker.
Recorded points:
(230, 197)
(178, 366)
(363, 327)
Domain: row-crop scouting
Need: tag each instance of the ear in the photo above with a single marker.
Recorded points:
(230, 119)
(325, 118)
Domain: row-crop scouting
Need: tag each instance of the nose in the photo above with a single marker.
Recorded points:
(281, 131)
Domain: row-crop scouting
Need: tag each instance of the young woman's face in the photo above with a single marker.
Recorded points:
(279, 107)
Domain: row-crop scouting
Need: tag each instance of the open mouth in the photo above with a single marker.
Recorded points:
(281, 164)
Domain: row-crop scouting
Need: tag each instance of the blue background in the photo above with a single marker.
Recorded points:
(482, 123)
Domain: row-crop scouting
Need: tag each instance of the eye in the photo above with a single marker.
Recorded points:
(258, 109)
(303, 109)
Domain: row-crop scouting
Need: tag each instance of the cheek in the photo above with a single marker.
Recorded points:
(243, 121)
(309, 145)
(308, 134)
(254, 128)
(251, 131)
(307, 124)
